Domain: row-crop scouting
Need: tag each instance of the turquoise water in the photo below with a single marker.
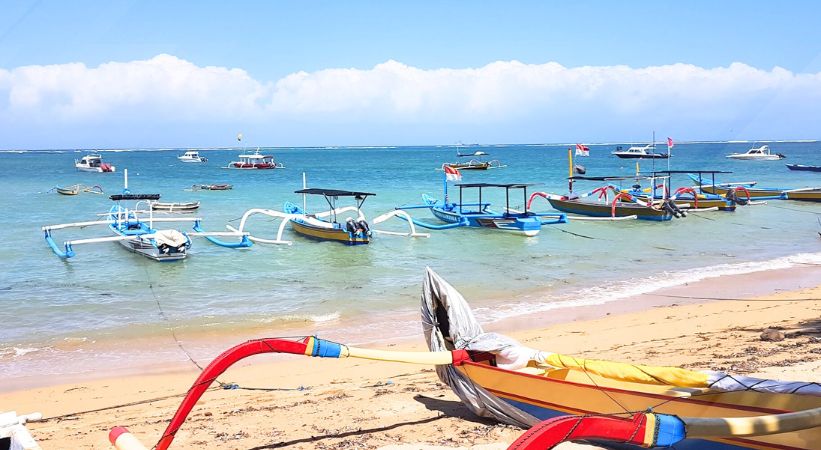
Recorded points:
(56, 310)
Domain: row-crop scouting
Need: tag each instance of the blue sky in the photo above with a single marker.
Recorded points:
(156, 74)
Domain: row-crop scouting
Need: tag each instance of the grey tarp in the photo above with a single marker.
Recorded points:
(444, 308)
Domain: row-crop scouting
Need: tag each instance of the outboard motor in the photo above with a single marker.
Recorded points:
(366, 230)
(350, 225)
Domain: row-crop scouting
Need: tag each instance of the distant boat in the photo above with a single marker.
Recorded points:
(175, 207)
(192, 156)
(255, 160)
(212, 187)
(75, 189)
(93, 163)
(758, 154)
(648, 151)
(804, 167)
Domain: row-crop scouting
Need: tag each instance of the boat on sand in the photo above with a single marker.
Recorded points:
(497, 377)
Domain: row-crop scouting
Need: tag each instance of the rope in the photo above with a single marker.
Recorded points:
(797, 210)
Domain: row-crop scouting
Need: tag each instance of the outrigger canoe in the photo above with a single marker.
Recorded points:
(497, 377)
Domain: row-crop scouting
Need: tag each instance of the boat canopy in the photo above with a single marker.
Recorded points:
(334, 193)
(118, 197)
(617, 178)
(496, 185)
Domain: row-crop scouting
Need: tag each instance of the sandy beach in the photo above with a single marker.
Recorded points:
(342, 404)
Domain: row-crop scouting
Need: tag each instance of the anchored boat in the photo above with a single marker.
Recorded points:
(93, 163)
(76, 189)
(762, 153)
(480, 215)
(192, 156)
(136, 232)
(256, 160)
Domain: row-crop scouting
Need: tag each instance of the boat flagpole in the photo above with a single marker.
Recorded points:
(304, 196)
(570, 170)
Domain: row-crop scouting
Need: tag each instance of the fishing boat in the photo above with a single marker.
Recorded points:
(212, 187)
(762, 153)
(689, 197)
(175, 207)
(256, 160)
(646, 152)
(803, 167)
(93, 163)
(622, 205)
(474, 163)
(479, 214)
(192, 156)
(354, 231)
(497, 377)
(76, 189)
(747, 190)
(136, 232)
(324, 225)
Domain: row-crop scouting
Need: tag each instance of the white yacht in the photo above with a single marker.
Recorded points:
(93, 163)
(761, 154)
(192, 156)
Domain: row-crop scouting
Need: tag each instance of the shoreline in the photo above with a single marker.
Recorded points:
(204, 346)
(336, 407)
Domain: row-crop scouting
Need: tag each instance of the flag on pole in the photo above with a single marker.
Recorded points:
(582, 150)
(669, 144)
(452, 174)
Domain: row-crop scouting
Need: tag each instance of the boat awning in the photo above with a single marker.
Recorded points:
(118, 197)
(333, 192)
(496, 185)
(620, 178)
(669, 172)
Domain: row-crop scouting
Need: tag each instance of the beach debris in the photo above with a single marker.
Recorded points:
(773, 335)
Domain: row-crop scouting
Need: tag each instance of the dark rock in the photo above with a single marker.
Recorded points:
(772, 335)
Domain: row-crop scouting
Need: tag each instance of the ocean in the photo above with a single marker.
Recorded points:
(76, 316)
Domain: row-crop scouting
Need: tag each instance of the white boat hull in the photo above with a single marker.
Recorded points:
(746, 157)
(145, 248)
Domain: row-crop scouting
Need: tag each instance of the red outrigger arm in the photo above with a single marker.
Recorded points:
(308, 346)
(645, 430)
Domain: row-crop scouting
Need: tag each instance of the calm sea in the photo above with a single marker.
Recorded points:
(61, 316)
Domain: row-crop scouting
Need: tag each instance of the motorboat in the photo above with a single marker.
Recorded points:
(93, 163)
(648, 151)
(255, 160)
(759, 154)
(804, 167)
(192, 156)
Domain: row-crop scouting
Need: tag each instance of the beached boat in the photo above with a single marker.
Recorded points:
(192, 156)
(497, 377)
(76, 189)
(804, 194)
(175, 207)
(136, 232)
(211, 187)
(480, 215)
(762, 153)
(635, 152)
(256, 160)
(93, 163)
(804, 167)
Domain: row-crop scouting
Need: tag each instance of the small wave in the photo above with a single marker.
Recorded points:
(16, 352)
(315, 318)
(637, 286)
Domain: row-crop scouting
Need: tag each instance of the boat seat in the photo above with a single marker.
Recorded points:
(317, 222)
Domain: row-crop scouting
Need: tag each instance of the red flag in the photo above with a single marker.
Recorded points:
(582, 150)
(669, 144)
(451, 173)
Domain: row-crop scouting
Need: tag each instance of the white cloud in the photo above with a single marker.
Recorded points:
(166, 88)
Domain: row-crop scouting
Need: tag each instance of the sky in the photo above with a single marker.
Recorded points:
(125, 74)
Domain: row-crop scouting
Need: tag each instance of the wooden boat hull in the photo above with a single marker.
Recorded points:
(758, 193)
(804, 195)
(175, 207)
(329, 234)
(520, 224)
(804, 167)
(603, 210)
(562, 391)
(146, 248)
(647, 156)
(74, 190)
